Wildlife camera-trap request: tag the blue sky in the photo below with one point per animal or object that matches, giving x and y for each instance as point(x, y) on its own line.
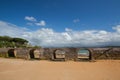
point(61, 15)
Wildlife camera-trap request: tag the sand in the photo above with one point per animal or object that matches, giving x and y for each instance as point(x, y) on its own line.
point(18, 69)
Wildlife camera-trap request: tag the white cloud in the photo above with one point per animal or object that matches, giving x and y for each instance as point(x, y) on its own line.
point(49, 38)
point(41, 23)
point(117, 28)
point(11, 29)
point(30, 18)
point(34, 21)
point(67, 29)
point(76, 20)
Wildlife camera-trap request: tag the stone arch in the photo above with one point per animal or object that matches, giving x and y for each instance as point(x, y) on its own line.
point(54, 55)
point(11, 53)
point(35, 53)
point(59, 54)
point(85, 56)
point(31, 53)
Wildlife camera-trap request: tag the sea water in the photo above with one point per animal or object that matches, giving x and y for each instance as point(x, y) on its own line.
point(83, 52)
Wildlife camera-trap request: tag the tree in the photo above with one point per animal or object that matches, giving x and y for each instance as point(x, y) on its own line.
point(6, 41)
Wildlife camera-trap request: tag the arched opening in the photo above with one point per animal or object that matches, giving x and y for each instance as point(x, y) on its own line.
point(32, 54)
point(12, 53)
point(59, 55)
point(84, 54)
point(35, 54)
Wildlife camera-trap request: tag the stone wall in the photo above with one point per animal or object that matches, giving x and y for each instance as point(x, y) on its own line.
point(106, 53)
point(4, 52)
point(70, 53)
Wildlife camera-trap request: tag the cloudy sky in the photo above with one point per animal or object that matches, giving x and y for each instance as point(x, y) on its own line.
point(62, 23)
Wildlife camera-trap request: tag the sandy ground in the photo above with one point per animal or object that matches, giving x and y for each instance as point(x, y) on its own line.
point(17, 69)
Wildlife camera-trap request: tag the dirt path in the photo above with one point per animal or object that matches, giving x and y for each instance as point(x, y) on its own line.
point(17, 69)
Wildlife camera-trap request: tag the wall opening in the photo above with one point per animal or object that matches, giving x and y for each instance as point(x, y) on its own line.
point(35, 54)
point(11, 53)
point(83, 54)
point(32, 54)
point(59, 54)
